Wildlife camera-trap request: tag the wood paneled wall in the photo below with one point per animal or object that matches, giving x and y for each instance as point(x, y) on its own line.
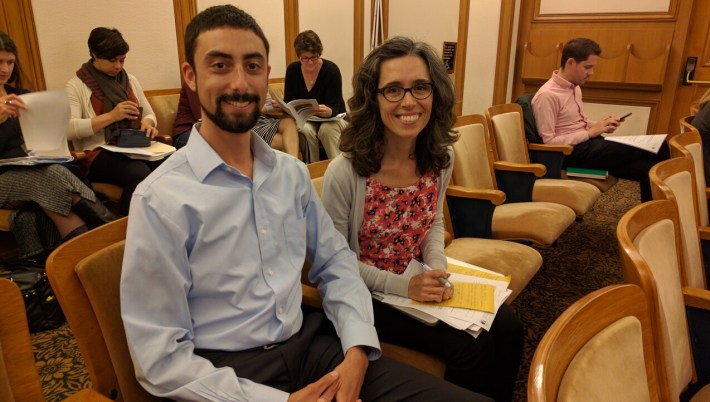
point(640, 61)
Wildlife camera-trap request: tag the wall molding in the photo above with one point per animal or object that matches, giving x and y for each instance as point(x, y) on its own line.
point(671, 14)
point(185, 11)
point(505, 41)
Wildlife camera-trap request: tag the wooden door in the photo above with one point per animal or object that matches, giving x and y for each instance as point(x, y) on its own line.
point(697, 45)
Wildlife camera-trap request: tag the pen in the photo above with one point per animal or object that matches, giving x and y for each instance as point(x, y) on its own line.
point(441, 279)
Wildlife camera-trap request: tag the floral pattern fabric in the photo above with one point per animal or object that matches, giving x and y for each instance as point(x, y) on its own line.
point(396, 221)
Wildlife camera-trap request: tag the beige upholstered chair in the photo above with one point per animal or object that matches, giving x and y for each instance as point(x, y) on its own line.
point(98, 343)
point(505, 123)
point(689, 144)
point(599, 349)
point(474, 170)
point(165, 105)
point(674, 180)
point(649, 240)
point(19, 378)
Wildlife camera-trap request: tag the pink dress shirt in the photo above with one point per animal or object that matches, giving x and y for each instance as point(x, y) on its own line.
point(559, 113)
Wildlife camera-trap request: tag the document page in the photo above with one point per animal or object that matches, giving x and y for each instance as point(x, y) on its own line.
point(651, 143)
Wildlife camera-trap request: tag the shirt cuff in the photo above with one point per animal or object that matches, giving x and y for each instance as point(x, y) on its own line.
point(361, 334)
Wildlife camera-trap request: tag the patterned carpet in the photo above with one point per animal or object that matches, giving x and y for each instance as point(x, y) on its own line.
point(584, 259)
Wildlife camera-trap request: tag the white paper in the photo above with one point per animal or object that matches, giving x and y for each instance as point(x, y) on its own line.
point(44, 122)
point(651, 143)
point(156, 151)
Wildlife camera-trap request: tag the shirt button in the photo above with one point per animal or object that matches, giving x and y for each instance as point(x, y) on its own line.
point(270, 272)
point(281, 311)
point(263, 231)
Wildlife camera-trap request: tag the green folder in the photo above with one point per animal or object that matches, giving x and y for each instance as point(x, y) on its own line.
point(588, 173)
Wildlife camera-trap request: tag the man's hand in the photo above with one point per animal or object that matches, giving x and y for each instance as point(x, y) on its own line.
point(352, 374)
point(425, 287)
point(322, 390)
point(607, 124)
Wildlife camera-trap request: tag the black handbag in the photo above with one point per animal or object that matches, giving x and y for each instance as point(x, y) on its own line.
point(41, 305)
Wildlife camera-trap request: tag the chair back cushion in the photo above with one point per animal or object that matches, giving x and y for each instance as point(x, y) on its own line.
point(525, 102)
point(509, 138)
point(681, 184)
point(100, 274)
point(472, 167)
point(656, 245)
point(165, 109)
point(609, 367)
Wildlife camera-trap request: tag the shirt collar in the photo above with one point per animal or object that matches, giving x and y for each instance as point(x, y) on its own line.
point(560, 81)
point(203, 159)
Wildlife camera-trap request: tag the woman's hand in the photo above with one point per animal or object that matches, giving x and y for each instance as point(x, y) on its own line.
point(323, 111)
point(425, 287)
point(125, 110)
point(150, 130)
point(10, 106)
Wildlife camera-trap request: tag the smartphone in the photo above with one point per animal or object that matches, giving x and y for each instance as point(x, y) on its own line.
point(624, 116)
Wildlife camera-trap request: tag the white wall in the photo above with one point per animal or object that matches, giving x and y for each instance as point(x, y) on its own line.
point(63, 29)
point(483, 26)
point(269, 14)
point(333, 21)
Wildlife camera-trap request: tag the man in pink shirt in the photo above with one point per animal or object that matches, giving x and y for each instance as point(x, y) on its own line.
point(560, 118)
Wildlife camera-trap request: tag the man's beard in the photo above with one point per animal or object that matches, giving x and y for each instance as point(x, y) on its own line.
point(235, 123)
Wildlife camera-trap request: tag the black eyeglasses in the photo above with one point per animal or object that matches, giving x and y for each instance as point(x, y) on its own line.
point(307, 59)
point(395, 93)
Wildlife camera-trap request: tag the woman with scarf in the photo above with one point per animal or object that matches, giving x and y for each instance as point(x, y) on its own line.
point(49, 202)
point(104, 98)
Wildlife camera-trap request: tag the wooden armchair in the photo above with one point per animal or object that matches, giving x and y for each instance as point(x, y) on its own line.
point(19, 378)
point(651, 253)
point(505, 123)
point(600, 349)
point(689, 144)
point(552, 156)
point(476, 204)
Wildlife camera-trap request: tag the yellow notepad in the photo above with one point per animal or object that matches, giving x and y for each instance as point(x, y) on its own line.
point(472, 296)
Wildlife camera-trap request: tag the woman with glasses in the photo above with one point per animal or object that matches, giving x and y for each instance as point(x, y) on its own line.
point(385, 194)
point(313, 77)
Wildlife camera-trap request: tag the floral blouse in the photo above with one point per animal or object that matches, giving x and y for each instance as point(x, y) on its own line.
point(396, 221)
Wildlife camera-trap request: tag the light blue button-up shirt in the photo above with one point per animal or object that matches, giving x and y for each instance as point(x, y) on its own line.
point(213, 261)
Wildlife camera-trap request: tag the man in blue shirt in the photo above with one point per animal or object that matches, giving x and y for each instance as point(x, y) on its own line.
point(218, 234)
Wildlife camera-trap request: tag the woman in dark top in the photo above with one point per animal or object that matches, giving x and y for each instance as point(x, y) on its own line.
point(702, 122)
point(313, 77)
point(50, 202)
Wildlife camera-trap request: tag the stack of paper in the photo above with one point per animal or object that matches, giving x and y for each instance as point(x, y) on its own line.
point(155, 152)
point(478, 294)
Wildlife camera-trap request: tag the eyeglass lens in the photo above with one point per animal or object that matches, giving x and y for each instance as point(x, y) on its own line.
point(395, 93)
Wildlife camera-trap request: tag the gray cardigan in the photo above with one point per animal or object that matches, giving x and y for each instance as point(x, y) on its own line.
point(344, 199)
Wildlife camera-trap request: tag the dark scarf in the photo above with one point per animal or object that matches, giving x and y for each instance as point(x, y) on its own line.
point(106, 93)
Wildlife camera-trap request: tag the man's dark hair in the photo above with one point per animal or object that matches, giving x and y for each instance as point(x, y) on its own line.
point(106, 43)
point(579, 49)
point(218, 17)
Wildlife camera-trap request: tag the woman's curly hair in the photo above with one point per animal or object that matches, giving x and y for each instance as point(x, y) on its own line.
point(363, 140)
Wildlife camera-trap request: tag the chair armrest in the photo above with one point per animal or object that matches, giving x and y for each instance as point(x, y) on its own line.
point(78, 154)
point(165, 139)
point(707, 192)
point(704, 232)
point(448, 238)
point(311, 297)
point(471, 210)
point(538, 169)
point(552, 156)
point(564, 149)
point(695, 297)
point(496, 197)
